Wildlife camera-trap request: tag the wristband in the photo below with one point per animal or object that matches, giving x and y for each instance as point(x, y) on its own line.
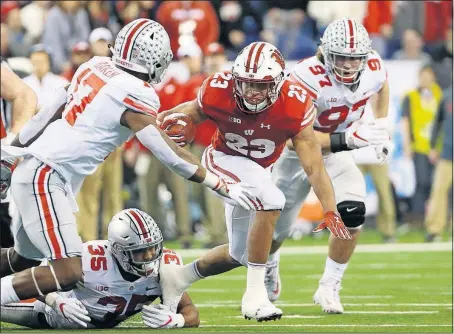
point(212, 181)
point(338, 142)
point(51, 298)
point(180, 320)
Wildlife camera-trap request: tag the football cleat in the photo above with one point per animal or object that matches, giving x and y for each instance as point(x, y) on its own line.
point(259, 307)
point(273, 282)
point(327, 296)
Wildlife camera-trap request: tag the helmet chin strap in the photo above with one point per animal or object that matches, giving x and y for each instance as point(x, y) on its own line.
point(255, 107)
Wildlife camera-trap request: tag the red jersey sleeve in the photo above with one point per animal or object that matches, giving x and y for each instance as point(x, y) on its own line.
point(309, 115)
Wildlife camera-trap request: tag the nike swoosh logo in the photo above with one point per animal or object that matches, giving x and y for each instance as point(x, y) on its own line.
point(168, 322)
point(352, 209)
point(277, 288)
point(355, 134)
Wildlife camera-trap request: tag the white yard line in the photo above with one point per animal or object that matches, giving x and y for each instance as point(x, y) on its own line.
point(374, 248)
point(365, 275)
point(291, 316)
point(285, 304)
point(390, 312)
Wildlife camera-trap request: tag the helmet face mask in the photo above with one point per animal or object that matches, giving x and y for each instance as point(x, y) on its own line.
point(346, 69)
point(254, 95)
point(345, 46)
point(136, 242)
point(258, 74)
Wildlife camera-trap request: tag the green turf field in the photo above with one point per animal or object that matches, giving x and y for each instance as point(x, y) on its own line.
point(387, 288)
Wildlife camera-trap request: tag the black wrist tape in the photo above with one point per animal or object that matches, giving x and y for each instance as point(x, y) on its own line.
point(338, 142)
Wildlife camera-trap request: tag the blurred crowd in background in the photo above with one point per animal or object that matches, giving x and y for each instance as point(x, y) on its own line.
point(45, 42)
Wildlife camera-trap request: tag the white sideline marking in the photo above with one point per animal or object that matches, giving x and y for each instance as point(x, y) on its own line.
point(284, 304)
point(373, 248)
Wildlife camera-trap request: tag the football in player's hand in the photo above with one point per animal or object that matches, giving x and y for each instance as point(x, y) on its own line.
point(180, 128)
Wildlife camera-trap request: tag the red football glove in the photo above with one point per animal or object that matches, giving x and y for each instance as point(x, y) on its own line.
point(333, 222)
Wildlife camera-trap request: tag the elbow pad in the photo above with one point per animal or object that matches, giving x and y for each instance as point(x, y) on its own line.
point(40, 120)
point(152, 139)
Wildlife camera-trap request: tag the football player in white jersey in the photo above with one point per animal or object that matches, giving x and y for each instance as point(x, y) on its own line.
point(121, 277)
point(108, 101)
point(340, 78)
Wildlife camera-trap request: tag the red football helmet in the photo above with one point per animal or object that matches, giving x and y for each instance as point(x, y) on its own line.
point(258, 74)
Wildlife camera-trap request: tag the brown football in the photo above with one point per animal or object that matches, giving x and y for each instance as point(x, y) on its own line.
point(174, 124)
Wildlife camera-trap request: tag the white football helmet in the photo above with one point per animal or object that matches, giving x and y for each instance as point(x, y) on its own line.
point(136, 242)
point(345, 46)
point(143, 46)
point(258, 74)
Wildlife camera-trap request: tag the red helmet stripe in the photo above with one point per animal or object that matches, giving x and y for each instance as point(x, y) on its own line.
point(249, 57)
point(141, 223)
point(257, 57)
point(129, 37)
point(352, 34)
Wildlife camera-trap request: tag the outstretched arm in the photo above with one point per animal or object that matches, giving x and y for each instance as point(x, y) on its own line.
point(49, 113)
point(181, 161)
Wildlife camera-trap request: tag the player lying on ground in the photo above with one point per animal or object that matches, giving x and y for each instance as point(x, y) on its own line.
point(109, 100)
point(256, 110)
point(340, 79)
point(121, 277)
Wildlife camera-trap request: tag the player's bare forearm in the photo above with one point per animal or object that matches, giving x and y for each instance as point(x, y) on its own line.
point(21, 96)
point(189, 311)
point(173, 156)
point(323, 138)
point(190, 108)
point(309, 152)
point(382, 104)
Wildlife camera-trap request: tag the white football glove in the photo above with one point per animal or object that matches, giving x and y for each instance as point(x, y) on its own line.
point(72, 309)
point(160, 316)
point(365, 135)
point(238, 193)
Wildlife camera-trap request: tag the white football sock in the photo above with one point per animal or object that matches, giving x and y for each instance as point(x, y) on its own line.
point(256, 276)
point(8, 294)
point(333, 270)
point(190, 274)
point(273, 259)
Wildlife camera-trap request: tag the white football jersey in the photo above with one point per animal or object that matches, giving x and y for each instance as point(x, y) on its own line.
point(90, 128)
point(107, 296)
point(338, 107)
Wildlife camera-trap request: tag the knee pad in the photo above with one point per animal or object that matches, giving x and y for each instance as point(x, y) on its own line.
point(352, 213)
